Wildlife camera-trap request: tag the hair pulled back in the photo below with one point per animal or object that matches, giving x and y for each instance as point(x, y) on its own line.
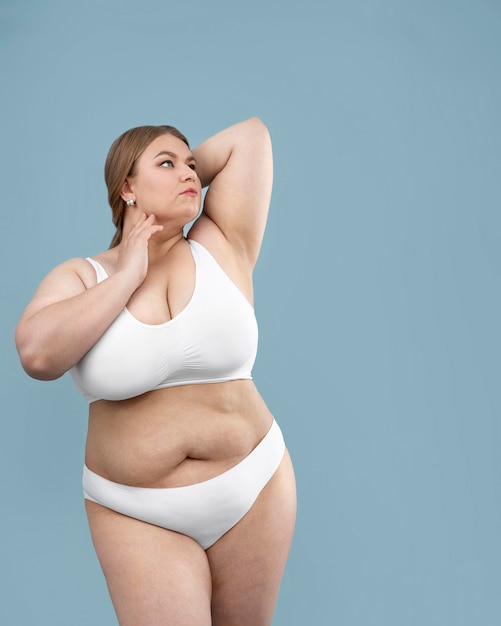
point(121, 162)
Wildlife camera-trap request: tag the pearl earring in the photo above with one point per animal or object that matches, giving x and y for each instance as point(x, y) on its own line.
point(130, 202)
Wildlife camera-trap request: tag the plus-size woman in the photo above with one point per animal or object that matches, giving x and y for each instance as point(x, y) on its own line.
point(189, 489)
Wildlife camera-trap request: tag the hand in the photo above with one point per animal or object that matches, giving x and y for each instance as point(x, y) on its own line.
point(133, 249)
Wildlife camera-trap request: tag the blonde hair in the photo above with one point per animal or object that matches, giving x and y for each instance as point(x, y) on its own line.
point(121, 162)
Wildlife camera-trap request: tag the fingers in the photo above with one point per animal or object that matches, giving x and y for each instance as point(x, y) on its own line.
point(145, 225)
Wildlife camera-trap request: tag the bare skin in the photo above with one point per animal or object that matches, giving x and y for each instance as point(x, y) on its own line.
point(158, 577)
point(180, 435)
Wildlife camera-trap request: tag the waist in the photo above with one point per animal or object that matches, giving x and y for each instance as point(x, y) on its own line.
point(176, 436)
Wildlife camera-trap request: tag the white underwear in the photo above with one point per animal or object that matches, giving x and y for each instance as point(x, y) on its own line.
point(204, 511)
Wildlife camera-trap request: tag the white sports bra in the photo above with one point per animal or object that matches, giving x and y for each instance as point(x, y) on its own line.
point(213, 339)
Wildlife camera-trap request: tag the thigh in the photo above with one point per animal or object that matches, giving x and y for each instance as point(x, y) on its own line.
point(155, 577)
point(248, 562)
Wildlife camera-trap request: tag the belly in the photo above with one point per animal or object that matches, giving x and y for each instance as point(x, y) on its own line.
point(176, 436)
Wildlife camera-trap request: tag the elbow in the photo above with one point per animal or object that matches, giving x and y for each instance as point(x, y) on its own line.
point(37, 367)
point(256, 134)
point(257, 127)
point(34, 362)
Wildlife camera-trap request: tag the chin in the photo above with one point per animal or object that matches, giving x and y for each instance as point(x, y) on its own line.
point(193, 214)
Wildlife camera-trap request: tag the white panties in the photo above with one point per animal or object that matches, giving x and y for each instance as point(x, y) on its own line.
point(204, 511)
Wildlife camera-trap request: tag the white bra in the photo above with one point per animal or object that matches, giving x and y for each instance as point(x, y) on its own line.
point(213, 339)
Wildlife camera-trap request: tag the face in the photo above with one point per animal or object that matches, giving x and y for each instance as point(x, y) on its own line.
point(165, 181)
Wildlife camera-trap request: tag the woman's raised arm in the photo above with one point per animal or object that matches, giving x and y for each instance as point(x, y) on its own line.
point(237, 165)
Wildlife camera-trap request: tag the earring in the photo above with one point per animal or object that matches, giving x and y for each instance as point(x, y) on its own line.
point(130, 202)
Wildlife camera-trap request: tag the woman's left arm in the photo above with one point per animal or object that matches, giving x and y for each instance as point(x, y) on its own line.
point(237, 165)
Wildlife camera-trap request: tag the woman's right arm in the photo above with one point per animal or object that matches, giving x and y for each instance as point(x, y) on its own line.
point(65, 318)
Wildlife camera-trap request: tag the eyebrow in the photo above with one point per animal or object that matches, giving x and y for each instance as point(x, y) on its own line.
point(173, 155)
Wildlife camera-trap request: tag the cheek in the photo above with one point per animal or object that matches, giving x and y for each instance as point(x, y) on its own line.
point(154, 183)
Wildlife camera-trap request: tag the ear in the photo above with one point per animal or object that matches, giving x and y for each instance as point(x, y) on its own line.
point(126, 192)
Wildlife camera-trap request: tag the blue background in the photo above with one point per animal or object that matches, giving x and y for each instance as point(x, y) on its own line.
point(377, 289)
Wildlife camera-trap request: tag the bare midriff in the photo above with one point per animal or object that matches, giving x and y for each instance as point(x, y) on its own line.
point(176, 436)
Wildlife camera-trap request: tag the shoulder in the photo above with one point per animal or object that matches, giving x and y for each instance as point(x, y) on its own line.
point(208, 234)
point(235, 264)
point(73, 275)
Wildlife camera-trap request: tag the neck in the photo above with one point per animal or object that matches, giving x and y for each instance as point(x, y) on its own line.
point(160, 243)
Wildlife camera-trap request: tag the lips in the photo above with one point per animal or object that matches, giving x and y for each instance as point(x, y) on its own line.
point(190, 192)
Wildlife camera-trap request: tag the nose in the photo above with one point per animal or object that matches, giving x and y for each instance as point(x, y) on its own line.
point(188, 173)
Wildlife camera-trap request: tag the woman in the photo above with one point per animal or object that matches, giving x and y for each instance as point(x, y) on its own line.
point(189, 490)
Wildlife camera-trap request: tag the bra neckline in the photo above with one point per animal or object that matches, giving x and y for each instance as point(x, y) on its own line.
point(176, 317)
point(195, 289)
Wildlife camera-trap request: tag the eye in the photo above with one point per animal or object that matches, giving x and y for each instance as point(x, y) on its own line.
point(167, 163)
point(193, 167)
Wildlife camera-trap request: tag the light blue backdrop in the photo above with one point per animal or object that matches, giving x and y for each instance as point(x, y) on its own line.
point(378, 288)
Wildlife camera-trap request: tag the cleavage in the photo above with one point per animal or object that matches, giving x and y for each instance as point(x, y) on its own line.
point(166, 292)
